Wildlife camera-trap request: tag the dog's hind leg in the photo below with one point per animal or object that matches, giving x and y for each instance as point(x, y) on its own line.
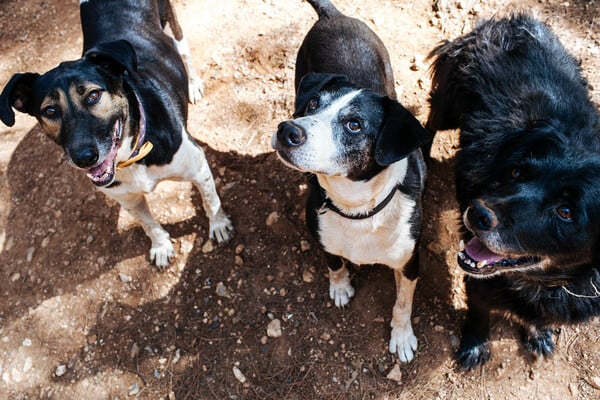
point(162, 250)
point(195, 84)
point(403, 341)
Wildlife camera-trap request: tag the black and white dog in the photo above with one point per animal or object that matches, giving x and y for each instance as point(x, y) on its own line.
point(527, 179)
point(120, 111)
point(362, 150)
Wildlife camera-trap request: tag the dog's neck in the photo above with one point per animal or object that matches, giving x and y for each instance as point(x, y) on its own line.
point(141, 147)
point(360, 197)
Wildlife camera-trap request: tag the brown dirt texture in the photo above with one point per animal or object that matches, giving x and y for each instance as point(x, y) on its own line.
point(84, 316)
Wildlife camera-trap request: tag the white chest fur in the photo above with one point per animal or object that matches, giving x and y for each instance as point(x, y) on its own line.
point(384, 238)
point(139, 178)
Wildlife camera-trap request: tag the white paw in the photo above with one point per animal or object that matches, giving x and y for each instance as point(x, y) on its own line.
point(341, 291)
point(221, 228)
point(403, 343)
point(195, 89)
point(162, 254)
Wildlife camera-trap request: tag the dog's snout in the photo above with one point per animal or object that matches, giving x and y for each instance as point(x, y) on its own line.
point(290, 135)
point(481, 217)
point(85, 157)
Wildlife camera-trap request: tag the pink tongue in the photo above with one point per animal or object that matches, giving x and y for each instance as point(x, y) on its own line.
point(99, 170)
point(478, 252)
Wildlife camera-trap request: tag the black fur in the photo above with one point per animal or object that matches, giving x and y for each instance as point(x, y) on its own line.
point(337, 44)
point(527, 178)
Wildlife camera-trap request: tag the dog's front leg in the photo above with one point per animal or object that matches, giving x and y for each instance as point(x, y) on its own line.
point(162, 250)
point(403, 341)
point(340, 288)
point(474, 349)
point(538, 340)
point(220, 226)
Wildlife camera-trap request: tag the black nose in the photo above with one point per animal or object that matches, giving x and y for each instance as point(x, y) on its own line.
point(85, 157)
point(481, 217)
point(289, 134)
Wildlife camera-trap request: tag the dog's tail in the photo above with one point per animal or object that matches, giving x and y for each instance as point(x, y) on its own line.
point(324, 8)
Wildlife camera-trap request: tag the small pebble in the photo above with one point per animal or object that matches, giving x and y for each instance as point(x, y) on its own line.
point(274, 329)
point(308, 277)
point(239, 261)
point(133, 390)
point(239, 375)
point(395, 374)
point(208, 247)
point(92, 339)
point(222, 290)
point(272, 218)
point(60, 370)
point(135, 350)
point(30, 252)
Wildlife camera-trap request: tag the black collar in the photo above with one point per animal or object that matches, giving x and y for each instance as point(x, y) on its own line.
point(328, 204)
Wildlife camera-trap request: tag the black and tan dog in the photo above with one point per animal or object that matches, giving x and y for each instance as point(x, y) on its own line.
point(362, 149)
point(527, 179)
point(120, 111)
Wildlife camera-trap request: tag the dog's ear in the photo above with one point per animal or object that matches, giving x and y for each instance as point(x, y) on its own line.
point(311, 84)
point(17, 94)
point(117, 56)
point(401, 134)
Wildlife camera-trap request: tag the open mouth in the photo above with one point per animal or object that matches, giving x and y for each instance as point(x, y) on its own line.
point(104, 173)
point(475, 258)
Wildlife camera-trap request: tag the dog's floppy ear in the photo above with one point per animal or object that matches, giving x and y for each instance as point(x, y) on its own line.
point(312, 83)
point(17, 94)
point(117, 56)
point(401, 134)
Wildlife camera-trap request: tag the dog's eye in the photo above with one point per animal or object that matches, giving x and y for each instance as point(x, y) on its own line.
point(50, 112)
point(93, 97)
point(353, 126)
point(313, 103)
point(565, 212)
point(517, 173)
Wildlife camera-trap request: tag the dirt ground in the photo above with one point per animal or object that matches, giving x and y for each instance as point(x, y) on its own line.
point(84, 316)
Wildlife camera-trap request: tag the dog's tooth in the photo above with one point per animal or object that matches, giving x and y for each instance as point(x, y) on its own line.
point(481, 264)
point(461, 245)
point(461, 256)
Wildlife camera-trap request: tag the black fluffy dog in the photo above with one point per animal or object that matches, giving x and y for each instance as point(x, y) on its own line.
point(527, 179)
